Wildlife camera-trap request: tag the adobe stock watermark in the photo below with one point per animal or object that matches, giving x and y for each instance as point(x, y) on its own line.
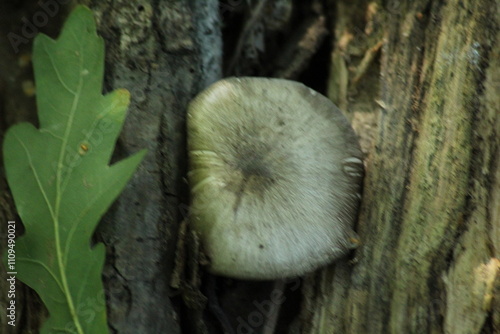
point(87, 310)
point(31, 27)
point(265, 309)
point(11, 273)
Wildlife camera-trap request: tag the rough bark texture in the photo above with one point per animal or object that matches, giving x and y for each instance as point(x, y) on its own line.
point(163, 52)
point(430, 217)
point(154, 50)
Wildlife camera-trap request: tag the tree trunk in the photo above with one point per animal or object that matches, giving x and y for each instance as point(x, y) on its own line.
point(154, 49)
point(420, 82)
point(430, 218)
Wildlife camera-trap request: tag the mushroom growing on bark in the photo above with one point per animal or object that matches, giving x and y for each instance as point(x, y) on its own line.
point(275, 176)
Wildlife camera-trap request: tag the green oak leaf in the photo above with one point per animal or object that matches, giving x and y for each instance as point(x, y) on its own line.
point(61, 179)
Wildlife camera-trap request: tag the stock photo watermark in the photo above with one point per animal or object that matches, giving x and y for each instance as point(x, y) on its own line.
point(87, 310)
point(31, 26)
point(11, 273)
point(50, 8)
point(265, 309)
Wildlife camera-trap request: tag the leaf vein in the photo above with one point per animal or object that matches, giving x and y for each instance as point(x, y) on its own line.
point(52, 134)
point(37, 177)
point(56, 70)
point(44, 266)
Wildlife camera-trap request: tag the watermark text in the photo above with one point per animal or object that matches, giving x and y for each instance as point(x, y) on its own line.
point(11, 273)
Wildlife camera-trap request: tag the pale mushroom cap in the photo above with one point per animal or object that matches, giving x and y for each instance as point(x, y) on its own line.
point(275, 177)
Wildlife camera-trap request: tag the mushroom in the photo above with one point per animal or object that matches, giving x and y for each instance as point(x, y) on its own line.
point(275, 175)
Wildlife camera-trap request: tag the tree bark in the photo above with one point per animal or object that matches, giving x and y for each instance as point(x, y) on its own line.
point(420, 82)
point(162, 53)
point(430, 219)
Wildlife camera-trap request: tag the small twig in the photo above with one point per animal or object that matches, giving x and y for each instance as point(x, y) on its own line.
point(215, 308)
point(272, 316)
point(297, 53)
point(180, 257)
point(254, 17)
point(365, 62)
